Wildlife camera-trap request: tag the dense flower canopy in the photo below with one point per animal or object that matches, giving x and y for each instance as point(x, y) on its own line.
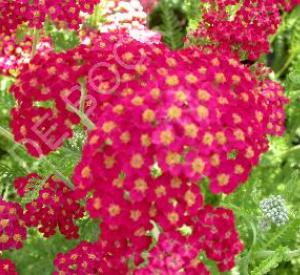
point(86, 258)
point(204, 116)
point(173, 127)
point(159, 124)
point(213, 231)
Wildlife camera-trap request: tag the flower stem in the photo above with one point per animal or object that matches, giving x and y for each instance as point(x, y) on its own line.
point(5, 133)
point(83, 95)
point(96, 15)
point(268, 253)
point(36, 39)
point(84, 118)
point(291, 150)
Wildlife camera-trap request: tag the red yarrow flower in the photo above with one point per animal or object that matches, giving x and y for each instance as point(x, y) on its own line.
point(54, 207)
point(12, 227)
point(246, 31)
point(86, 258)
point(172, 255)
point(26, 184)
point(64, 13)
point(7, 267)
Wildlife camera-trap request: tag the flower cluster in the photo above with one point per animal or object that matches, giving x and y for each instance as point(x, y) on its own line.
point(14, 54)
point(203, 116)
point(245, 29)
point(274, 210)
point(275, 102)
point(52, 78)
point(264, 224)
point(12, 227)
point(173, 255)
point(86, 258)
point(194, 102)
point(49, 125)
point(175, 124)
point(26, 184)
point(54, 207)
point(213, 231)
point(64, 13)
point(12, 14)
point(7, 267)
point(219, 238)
point(159, 122)
point(126, 224)
point(182, 128)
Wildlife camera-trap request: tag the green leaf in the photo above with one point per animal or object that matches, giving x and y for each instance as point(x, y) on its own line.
point(171, 29)
point(271, 262)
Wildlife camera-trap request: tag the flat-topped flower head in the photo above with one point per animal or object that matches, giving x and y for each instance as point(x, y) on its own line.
point(245, 29)
point(26, 184)
point(86, 258)
point(219, 237)
point(172, 255)
point(54, 208)
point(158, 123)
point(12, 226)
point(211, 230)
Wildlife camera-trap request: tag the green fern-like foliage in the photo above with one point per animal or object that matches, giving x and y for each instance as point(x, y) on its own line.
point(271, 262)
point(295, 36)
point(286, 44)
point(193, 12)
point(287, 234)
point(170, 20)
